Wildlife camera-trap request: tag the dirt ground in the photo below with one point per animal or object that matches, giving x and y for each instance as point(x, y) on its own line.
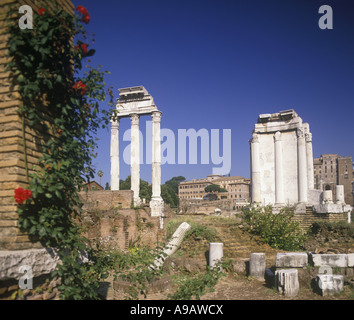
point(236, 286)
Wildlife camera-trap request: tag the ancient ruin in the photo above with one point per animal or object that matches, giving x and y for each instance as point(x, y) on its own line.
point(135, 102)
point(282, 170)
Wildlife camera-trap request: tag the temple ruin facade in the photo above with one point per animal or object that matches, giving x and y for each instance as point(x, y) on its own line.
point(133, 103)
point(282, 166)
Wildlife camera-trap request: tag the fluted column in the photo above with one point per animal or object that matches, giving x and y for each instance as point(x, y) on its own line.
point(309, 156)
point(135, 158)
point(156, 155)
point(302, 166)
point(278, 155)
point(156, 203)
point(255, 170)
point(115, 155)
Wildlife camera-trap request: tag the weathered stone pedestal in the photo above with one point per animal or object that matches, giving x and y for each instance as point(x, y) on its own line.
point(287, 282)
point(157, 207)
point(329, 284)
point(216, 253)
point(257, 265)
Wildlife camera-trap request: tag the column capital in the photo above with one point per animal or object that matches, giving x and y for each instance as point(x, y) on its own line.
point(134, 117)
point(255, 138)
point(115, 123)
point(300, 133)
point(156, 116)
point(308, 137)
point(277, 136)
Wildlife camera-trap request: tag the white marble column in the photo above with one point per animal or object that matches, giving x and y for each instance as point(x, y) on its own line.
point(115, 155)
point(302, 166)
point(156, 203)
point(309, 157)
point(255, 170)
point(340, 194)
point(172, 245)
point(216, 253)
point(278, 155)
point(135, 158)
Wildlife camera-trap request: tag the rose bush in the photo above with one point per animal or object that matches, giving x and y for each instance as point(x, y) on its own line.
point(53, 84)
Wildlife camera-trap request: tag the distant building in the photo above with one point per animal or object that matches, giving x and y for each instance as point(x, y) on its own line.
point(331, 170)
point(93, 186)
point(238, 189)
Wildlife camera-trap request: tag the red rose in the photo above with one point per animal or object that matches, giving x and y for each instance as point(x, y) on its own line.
point(85, 14)
point(82, 10)
point(22, 195)
point(41, 11)
point(83, 48)
point(86, 19)
point(80, 86)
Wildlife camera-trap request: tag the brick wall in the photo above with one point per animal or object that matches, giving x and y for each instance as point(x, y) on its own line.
point(307, 218)
point(12, 161)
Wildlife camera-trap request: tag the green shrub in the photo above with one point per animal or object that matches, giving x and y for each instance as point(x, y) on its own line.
point(276, 229)
point(190, 287)
point(197, 231)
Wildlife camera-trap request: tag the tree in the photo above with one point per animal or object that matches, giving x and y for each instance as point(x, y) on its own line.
point(100, 174)
point(174, 182)
point(169, 196)
point(124, 184)
point(169, 190)
point(145, 188)
point(214, 188)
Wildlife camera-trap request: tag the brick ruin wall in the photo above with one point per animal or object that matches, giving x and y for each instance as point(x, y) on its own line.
point(12, 161)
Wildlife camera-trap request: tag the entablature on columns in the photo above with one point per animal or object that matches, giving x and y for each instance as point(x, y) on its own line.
point(135, 100)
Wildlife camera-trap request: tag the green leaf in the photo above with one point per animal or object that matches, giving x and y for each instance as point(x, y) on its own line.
point(32, 230)
point(58, 194)
point(42, 232)
point(91, 52)
point(25, 223)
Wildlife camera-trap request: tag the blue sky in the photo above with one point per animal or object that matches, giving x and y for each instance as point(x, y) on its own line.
point(219, 64)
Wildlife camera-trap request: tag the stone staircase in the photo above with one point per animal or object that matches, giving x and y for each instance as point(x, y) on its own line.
point(239, 245)
point(126, 234)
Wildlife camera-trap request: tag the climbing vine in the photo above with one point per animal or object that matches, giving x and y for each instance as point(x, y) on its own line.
point(61, 95)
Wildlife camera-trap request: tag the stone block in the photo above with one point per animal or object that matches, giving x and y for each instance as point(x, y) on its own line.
point(42, 261)
point(331, 260)
point(350, 259)
point(287, 282)
point(291, 260)
point(239, 265)
point(329, 284)
point(216, 253)
point(257, 265)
